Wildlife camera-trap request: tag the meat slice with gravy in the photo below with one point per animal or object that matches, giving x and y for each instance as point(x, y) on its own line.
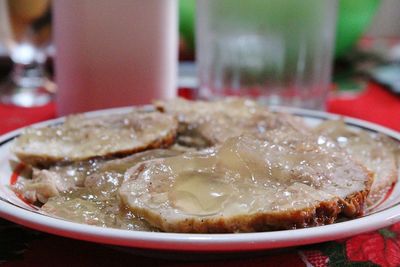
point(97, 175)
point(377, 152)
point(87, 192)
point(203, 124)
point(81, 138)
point(284, 181)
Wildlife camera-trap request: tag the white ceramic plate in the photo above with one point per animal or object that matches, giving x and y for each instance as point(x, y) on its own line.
point(16, 210)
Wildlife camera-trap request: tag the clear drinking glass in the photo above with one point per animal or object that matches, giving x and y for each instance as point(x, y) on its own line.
point(276, 51)
point(25, 31)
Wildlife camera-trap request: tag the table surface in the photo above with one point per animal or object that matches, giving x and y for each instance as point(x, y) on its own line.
point(20, 246)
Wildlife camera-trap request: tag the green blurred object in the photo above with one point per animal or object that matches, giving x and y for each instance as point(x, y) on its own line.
point(187, 9)
point(354, 16)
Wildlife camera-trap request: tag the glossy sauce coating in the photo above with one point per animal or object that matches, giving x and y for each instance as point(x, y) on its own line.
point(283, 172)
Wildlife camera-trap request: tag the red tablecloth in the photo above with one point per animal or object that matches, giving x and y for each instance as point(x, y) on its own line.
point(375, 104)
point(23, 247)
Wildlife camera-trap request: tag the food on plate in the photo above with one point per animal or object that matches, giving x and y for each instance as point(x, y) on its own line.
point(86, 192)
point(282, 182)
point(377, 152)
point(82, 138)
point(59, 179)
point(204, 167)
point(204, 124)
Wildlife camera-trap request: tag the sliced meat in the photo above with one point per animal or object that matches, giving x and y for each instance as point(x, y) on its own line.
point(45, 185)
point(375, 151)
point(284, 181)
point(100, 178)
point(203, 124)
point(81, 138)
point(96, 201)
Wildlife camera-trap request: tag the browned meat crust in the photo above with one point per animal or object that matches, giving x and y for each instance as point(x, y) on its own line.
point(164, 138)
point(44, 161)
point(324, 213)
point(375, 151)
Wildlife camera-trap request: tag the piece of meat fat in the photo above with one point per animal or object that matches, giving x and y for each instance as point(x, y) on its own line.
point(46, 184)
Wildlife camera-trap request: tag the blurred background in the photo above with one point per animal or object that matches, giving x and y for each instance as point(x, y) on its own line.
point(371, 26)
point(378, 19)
point(363, 26)
point(367, 38)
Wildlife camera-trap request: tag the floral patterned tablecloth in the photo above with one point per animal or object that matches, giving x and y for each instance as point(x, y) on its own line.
point(20, 246)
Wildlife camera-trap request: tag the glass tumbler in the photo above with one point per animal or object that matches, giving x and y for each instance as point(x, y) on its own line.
point(25, 32)
point(278, 52)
